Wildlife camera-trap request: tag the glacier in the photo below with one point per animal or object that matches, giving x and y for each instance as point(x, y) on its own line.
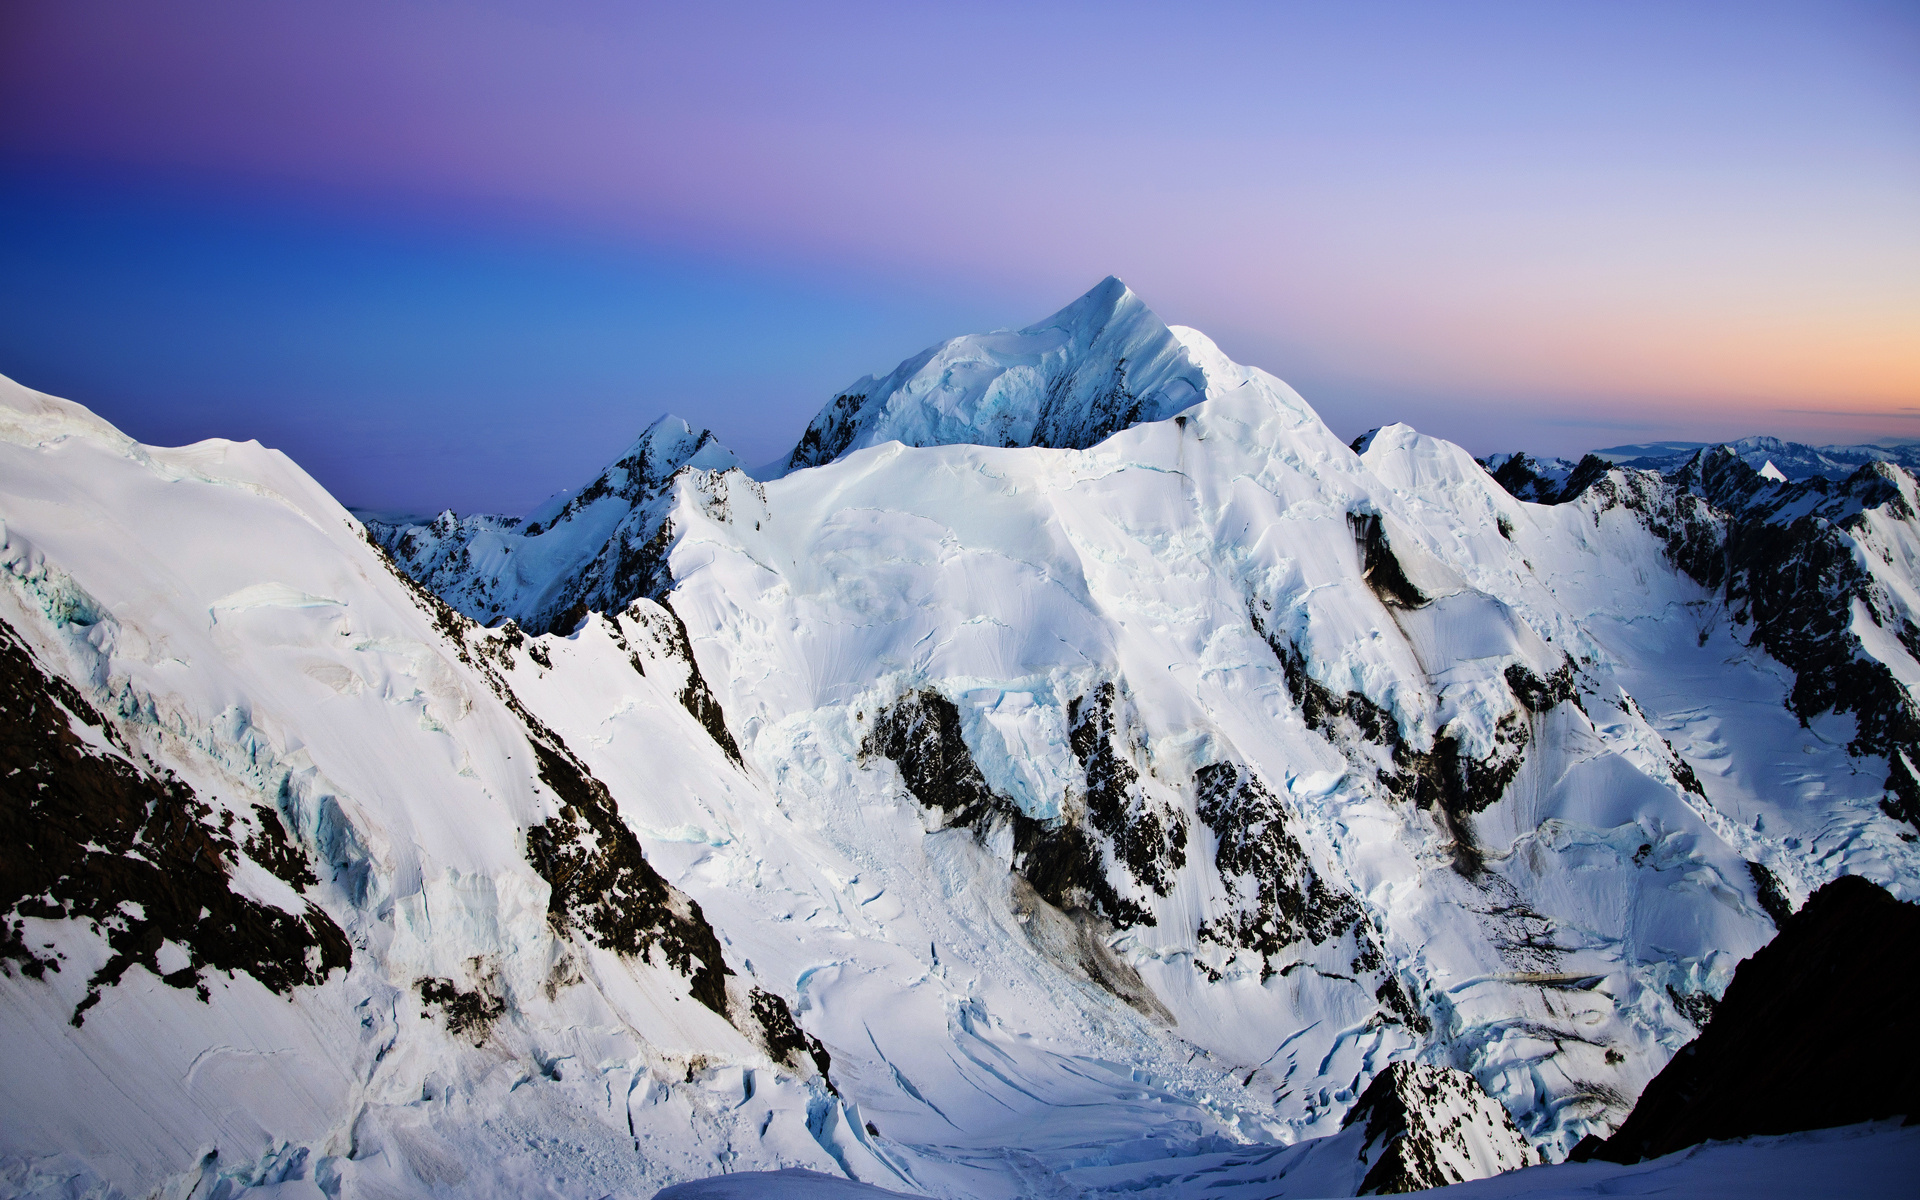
point(1076, 767)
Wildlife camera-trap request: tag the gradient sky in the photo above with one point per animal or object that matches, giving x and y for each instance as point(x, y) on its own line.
point(458, 253)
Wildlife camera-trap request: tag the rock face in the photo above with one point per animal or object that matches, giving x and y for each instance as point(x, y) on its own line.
point(1815, 1031)
point(1427, 1127)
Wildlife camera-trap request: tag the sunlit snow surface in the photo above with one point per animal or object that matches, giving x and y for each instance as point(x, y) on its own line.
point(233, 621)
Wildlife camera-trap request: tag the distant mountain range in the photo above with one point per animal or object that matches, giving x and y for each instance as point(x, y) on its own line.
point(1793, 460)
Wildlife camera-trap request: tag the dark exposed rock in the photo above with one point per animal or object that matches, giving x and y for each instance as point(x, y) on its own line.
point(1902, 801)
point(1379, 567)
point(603, 885)
point(1428, 1127)
point(467, 1015)
point(97, 834)
point(1279, 899)
point(695, 696)
point(1537, 694)
point(1063, 864)
point(830, 433)
point(785, 1041)
point(1767, 889)
point(632, 565)
point(1527, 478)
point(1814, 1031)
point(1062, 423)
point(1399, 1007)
point(1696, 1007)
point(920, 734)
point(1151, 841)
point(269, 846)
point(1590, 469)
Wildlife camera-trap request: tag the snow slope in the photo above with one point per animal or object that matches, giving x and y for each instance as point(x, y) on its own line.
point(1870, 1161)
point(321, 739)
point(1102, 813)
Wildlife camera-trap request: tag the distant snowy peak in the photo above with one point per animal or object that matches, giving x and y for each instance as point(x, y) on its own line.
point(641, 470)
point(1097, 366)
point(599, 547)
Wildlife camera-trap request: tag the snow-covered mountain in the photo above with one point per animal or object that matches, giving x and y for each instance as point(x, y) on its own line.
point(1097, 366)
point(1106, 811)
point(592, 549)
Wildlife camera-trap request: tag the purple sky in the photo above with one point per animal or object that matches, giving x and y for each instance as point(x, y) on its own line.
point(457, 253)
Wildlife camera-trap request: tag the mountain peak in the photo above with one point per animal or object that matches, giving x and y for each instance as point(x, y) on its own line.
point(1100, 305)
point(1097, 366)
point(651, 459)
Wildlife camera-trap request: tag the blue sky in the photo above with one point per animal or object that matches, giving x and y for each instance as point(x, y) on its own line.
point(409, 363)
point(457, 254)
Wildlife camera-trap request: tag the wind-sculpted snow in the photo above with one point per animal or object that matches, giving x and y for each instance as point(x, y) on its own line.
point(1105, 812)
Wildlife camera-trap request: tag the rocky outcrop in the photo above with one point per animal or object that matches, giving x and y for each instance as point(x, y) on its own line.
point(92, 832)
point(1060, 860)
point(1429, 1126)
point(1813, 1032)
